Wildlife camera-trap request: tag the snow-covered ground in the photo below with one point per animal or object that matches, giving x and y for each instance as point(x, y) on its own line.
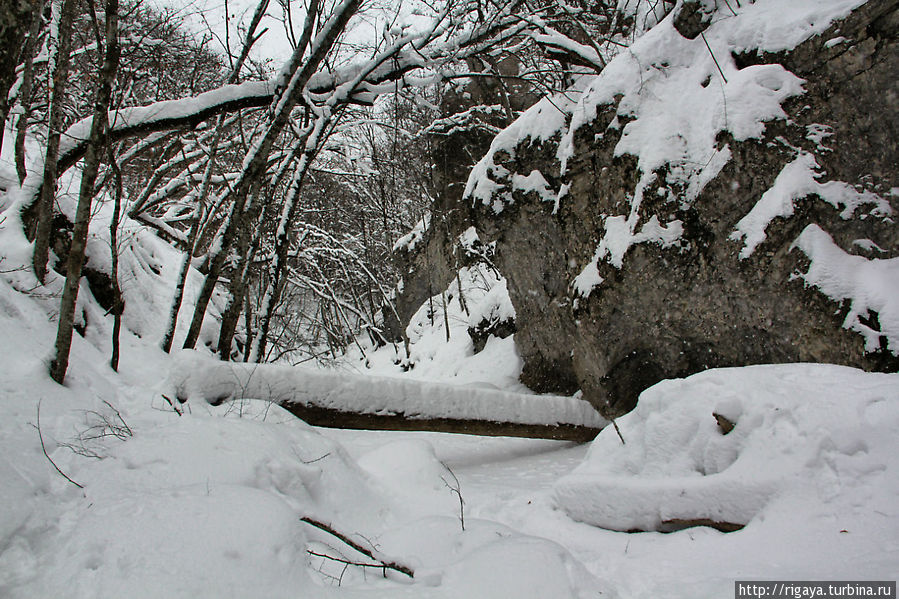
point(209, 504)
point(109, 491)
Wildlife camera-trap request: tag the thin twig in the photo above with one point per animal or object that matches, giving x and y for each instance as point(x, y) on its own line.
point(316, 459)
point(367, 552)
point(618, 430)
point(171, 403)
point(44, 447)
point(702, 35)
point(458, 491)
point(379, 565)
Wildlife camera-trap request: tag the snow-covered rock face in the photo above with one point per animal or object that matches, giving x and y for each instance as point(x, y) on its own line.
point(720, 201)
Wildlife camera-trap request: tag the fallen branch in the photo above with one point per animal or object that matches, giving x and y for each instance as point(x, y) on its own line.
point(171, 403)
point(618, 430)
point(347, 562)
point(44, 447)
point(382, 563)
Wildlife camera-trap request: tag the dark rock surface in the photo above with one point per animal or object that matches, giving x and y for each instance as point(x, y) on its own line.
point(671, 312)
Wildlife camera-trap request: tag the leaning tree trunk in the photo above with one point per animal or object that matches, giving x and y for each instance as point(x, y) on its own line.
point(194, 234)
point(98, 138)
point(250, 182)
point(58, 82)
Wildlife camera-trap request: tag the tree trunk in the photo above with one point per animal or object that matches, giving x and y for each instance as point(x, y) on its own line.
point(248, 245)
point(30, 50)
point(58, 81)
point(248, 324)
point(118, 305)
point(250, 182)
point(15, 16)
point(60, 363)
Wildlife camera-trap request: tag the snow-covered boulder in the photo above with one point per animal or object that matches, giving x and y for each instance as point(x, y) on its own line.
point(808, 439)
point(711, 202)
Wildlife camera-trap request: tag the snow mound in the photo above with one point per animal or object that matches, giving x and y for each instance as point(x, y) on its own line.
point(496, 306)
point(410, 471)
point(821, 433)
point(441, 348)
point(489, 560)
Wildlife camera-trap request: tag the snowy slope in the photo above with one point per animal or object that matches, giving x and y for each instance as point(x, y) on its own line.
point(208, 504)
point(150, 503)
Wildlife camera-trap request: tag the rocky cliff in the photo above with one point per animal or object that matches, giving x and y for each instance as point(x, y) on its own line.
point(718, 201)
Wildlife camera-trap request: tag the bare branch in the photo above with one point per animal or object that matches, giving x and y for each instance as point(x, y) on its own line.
point(44, 448)
point(382, 562)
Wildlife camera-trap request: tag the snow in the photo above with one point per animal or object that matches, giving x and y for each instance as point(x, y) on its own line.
point(130, 117)
point(438, 355)
point(494, 307)
point(411, 239)
point(201, 378)
point(534, 183)
point(540, 123)
point(812, 459)
point(675, 97)
point(868, 285)
point(798, 180)
point(208, 503)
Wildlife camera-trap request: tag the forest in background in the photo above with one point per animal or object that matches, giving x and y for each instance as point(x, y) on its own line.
point(285, 187)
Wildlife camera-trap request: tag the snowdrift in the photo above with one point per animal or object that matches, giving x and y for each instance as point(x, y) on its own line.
point(806, 438)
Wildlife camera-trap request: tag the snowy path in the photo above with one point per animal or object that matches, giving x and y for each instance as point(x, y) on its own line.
point(511, 482)
point(481, 463)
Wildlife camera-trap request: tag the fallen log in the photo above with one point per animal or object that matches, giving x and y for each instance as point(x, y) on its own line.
point(333, 418)
point(339, 399)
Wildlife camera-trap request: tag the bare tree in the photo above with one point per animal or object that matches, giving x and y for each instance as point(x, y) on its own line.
point(25, 91)
point(63, 15)
point(95, 150)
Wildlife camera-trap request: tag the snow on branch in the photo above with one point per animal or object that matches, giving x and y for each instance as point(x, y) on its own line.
point(166, 115)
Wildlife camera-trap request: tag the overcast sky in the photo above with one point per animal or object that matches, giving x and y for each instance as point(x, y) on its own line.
point(203, 15)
